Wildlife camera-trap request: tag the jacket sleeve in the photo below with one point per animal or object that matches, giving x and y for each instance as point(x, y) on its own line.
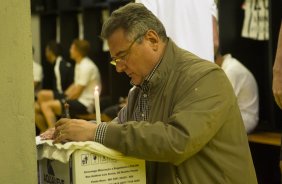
point(199, 108)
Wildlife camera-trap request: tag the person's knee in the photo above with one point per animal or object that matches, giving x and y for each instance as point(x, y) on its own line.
point(53, 105)
point(44, 106)
point(36, 107)
point(44, 95)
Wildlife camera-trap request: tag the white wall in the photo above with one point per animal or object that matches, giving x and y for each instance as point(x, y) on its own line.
point(17, 132)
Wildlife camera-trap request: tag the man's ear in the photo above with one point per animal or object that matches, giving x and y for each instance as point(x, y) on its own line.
point(153, 39)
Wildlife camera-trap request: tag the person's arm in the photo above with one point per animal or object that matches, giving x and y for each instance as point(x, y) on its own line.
point(277, 72)
point(195, 119)
point(280, 165)
point(69, 89)
point(215, 35)
point(81, 81)
point(199, 108)
point(74, 91)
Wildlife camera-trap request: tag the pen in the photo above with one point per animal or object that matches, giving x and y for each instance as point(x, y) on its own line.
point(67, 110)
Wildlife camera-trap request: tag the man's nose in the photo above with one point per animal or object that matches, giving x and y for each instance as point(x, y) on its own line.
point(120, 67)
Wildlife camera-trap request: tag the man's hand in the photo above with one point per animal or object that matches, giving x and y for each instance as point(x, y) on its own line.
point(74, 130)
point(48, 134)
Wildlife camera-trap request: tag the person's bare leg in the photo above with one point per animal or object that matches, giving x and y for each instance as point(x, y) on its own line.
point(40, 122)
point(44, 96)
point(39, 118)
point(50, 109)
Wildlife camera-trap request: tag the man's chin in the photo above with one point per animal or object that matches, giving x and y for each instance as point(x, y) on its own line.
point(135, 82)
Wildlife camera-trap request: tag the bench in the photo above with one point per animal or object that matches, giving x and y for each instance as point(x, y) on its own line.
point(268, 138)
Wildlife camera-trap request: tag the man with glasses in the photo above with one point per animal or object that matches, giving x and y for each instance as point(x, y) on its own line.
point(181, 117)
point(123, 54)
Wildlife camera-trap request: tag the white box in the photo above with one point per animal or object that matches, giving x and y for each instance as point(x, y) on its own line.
point(87, 168)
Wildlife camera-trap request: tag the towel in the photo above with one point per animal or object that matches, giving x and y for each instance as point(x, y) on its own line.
point(62, 152)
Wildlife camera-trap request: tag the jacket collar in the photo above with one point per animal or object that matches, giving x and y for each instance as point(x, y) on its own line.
point(165, 65)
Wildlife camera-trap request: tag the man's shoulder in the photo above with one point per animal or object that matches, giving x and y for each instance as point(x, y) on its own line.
point(88, 67)
point(185, 63)
point(87, 62)
point(194, 65)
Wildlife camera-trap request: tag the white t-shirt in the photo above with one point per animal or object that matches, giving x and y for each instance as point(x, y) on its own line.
point(37, 72)
point(245, 88)
point(187, 22)
point(87, 74)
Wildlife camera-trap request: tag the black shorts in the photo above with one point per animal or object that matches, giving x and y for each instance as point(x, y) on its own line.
point(58, 96)
point(75, 108)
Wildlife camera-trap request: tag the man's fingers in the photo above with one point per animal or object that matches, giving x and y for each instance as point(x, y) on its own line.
point(61, 121)
point(48, 134)
point(60, 138)
point(62, 128)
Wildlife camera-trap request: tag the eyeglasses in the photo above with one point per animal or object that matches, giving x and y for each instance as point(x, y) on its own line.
point(115, 60)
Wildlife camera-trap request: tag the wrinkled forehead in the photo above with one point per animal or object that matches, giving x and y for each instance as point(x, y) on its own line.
point(117, 41)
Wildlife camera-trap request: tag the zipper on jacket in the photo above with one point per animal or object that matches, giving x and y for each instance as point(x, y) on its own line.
point(177, 176)
point(178, 180)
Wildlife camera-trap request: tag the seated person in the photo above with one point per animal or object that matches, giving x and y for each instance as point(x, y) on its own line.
point(37, 74)
point(64, 76)
point(244, 85)
point(113, 110)
point(64, 73)
point(79, 95)
point(245, 88)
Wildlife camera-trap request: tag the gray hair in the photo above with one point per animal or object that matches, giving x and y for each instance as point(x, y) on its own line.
point(135, 19)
